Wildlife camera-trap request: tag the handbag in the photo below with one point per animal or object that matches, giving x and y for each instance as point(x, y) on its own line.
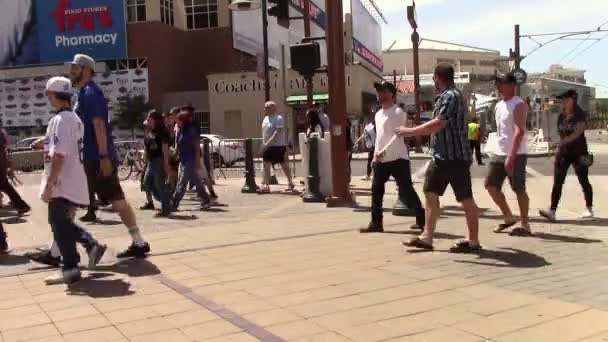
point(586, 159)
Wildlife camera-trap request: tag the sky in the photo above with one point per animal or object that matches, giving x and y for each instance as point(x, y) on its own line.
point(490, 24)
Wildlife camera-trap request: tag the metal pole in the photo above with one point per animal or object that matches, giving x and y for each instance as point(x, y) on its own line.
point(309, 80)
point(517, 54)
point(337, 103)
point(265, 37)
point(415, 45)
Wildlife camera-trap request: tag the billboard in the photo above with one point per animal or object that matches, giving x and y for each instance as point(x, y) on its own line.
point(367, 37)
point(52, 31)
point(23, 102)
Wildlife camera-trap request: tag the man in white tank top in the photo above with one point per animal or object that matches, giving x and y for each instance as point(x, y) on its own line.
point(511, 156)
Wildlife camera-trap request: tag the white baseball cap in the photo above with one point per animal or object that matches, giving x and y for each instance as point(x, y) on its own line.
point(59, 85)
point(84, 60)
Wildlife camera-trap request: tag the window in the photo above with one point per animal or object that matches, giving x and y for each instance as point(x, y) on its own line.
point(136, 11)
point(126, 64)
point(166, 12)
point(467, 62)
point(487, 63)
point(200, 14)
point(445, 60)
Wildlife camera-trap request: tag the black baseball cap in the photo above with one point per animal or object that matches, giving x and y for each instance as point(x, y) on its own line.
point(506, 78)
point(385, 86)
point(570, 93)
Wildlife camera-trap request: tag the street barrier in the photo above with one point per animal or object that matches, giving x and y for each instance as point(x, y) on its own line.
point(27, 161)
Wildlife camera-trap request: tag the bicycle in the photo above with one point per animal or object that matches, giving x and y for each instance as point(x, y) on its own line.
point(132, 166)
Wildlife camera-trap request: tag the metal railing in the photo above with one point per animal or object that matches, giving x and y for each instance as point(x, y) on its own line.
point(229, 158)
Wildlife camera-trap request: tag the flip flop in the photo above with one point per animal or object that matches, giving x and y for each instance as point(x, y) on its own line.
point(418, 243)
point(504, 226)
point(522, 232)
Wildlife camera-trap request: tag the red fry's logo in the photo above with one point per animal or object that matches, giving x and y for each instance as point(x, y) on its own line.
point(67, 18)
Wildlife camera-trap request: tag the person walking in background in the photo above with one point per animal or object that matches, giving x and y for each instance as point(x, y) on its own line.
point(450, 164)
point(369, 136)
point(274, 146)
point(5, 173)
point(391, 159)
point(323, 117)
point(572, 151)
point(314, 123)
point(99, 153)
point(475, 139)
point(158, 170)
point(511, 156)
point(149, 205)
point(189, 156)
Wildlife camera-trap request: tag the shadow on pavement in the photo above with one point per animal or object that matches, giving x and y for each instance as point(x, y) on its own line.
point(13, 260)
point(132, 268)
point(436, 235)
point(215, 210)
point(95, 286)
point(564, 238)
point(508, 257)
point(105, 222)
point(182, 217)
point(603, 222)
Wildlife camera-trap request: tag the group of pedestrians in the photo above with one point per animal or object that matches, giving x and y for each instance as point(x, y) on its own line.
point(452, 142)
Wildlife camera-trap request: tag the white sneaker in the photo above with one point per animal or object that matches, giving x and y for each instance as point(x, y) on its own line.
point(588, 213)
point(96, 254)
point(549, 214)
point(64, 277)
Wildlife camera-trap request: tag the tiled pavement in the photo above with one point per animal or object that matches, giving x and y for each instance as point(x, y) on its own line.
point(273, 269)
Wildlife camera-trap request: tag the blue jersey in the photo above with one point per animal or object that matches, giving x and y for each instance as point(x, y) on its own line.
point(92, 104)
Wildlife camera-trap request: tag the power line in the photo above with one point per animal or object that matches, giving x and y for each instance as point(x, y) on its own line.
point(575, 48)
point(587, 48)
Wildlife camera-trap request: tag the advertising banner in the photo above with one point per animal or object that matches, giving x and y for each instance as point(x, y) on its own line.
point(52, 31)
point(367, 37)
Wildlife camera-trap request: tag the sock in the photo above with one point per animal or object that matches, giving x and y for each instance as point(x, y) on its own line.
point(136, 236)
point(55, 253)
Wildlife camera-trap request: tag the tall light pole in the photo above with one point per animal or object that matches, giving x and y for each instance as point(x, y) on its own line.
point(412, 19)
point(250, 5)
point(337, 103)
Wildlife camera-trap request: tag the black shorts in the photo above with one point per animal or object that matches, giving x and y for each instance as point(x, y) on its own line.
point(275, 154)
point(106, 188)
point(456, 173)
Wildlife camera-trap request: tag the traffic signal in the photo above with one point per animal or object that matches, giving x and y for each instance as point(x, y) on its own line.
point(305, 58)
point(280, 10)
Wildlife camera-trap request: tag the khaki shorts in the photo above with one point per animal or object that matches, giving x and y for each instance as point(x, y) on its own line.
point(497, 173)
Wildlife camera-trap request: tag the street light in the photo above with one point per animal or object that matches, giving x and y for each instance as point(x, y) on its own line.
point(412, 18)
point(250, 5)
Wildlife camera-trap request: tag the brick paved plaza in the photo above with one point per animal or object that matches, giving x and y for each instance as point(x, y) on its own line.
point(274, 269)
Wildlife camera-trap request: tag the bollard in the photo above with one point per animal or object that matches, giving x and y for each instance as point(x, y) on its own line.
point(313, 193)
point(401, 209)
point(250, 187)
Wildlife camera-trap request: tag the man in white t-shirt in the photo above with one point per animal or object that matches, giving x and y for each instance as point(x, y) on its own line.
point(511, 156)
point(64, 183)
point(274, 133)
point(391, 158)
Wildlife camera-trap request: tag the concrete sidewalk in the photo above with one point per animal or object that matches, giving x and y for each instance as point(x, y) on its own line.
point(270, 268)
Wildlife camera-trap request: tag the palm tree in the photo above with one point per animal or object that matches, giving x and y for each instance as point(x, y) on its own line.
point(129, 112)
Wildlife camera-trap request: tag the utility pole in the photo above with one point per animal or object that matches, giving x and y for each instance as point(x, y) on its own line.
point(517, 54)
point(309, 80)
point(412, 19)
point(266, 57)
point(337, 103)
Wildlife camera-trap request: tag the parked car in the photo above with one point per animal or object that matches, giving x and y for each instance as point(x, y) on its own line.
point(24, 144)
point(225, 152)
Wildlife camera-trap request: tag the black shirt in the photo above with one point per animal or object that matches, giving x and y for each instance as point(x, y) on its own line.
point(153, 142)
point(566, 125)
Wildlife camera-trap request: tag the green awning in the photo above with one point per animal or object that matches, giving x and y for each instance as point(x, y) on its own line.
point(301, 99)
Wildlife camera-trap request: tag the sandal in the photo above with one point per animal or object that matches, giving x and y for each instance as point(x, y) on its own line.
point(264, 190)
point(464, 247)
point(521, 231)
point(418, 243)
point(504, 226)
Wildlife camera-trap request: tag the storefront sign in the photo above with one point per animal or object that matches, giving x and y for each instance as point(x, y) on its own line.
point(316, 13)
point(256, 85)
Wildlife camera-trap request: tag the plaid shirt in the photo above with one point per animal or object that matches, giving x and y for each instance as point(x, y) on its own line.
point(451, 142)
